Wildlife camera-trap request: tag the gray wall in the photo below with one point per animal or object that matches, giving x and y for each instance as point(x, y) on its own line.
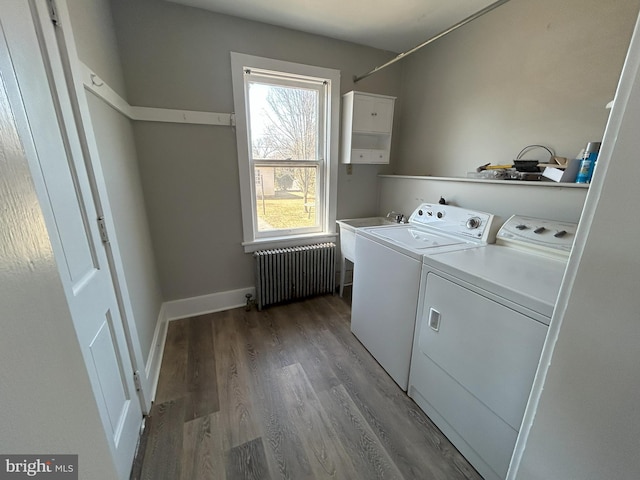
point(95, 40)
point(97, 48)
point(178, 57)
point(526, 73)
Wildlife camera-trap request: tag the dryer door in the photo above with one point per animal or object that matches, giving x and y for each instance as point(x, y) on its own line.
point(474, 363)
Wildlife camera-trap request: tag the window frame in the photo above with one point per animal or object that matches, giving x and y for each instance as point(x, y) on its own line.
point(318, 85)
point(328, 168)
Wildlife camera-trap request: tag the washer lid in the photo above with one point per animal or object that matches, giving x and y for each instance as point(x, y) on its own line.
point(414, 238)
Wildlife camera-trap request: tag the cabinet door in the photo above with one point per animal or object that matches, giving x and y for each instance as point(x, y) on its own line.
point(362, 113)
point(382, 115)
point(372, 114)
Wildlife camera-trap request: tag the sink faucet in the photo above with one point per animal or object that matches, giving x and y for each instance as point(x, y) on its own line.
point(397, 217)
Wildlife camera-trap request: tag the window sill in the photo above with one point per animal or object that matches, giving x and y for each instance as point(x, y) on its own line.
point(289, 241)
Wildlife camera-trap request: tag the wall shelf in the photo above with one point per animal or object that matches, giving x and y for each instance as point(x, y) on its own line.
point(488, 181)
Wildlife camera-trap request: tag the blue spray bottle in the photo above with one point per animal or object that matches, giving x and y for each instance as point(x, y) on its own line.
point(588, 162)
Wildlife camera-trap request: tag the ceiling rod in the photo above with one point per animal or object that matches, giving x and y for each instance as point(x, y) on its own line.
point(400, 56)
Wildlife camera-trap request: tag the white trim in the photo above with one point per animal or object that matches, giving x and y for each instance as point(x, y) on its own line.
point(292, 241)
point(96, 85)
point(330, 184)
point(149, 114)
point(213, 302)
point(154, 359)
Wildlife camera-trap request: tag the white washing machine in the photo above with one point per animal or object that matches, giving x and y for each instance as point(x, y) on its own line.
point(482, 320)
point(387, 277)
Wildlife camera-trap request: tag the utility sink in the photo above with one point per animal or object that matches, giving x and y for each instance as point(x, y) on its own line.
point(348, 232)
point(348, 229)
point(353, 223)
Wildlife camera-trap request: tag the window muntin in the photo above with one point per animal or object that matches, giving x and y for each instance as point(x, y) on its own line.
point(286, 130)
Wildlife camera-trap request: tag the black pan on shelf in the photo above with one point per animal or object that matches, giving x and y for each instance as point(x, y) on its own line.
point(526, 165)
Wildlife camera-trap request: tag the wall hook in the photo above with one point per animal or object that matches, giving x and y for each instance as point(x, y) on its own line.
point(93, 80)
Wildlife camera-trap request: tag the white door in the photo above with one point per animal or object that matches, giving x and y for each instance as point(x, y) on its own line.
point(47, 130)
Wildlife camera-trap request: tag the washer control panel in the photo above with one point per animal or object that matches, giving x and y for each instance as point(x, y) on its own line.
point(453, 221)
point(538, 235)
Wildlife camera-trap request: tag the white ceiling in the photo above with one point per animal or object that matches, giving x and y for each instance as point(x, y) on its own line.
point(395, 25)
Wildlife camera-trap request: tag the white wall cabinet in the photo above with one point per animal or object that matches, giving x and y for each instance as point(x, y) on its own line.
point(367, 122)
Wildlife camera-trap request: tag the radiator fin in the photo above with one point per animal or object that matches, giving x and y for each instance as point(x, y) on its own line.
point(292, 273)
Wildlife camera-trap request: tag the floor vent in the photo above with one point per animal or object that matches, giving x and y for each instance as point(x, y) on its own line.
point(284, 274)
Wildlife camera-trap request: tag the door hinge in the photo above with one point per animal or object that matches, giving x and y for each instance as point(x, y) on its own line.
point(136, 380)
point(103, 230)
point(53, 12)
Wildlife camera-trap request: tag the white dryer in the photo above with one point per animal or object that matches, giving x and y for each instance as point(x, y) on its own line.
point(387, 277)
point(482, 320)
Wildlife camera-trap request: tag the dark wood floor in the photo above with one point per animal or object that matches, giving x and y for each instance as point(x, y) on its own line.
point(286, 393)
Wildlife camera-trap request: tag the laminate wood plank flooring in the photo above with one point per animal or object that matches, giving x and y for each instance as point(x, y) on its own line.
point(203, 453)
point(166, 425)
point(201, 378)
point(248, 462)
point(285, 393)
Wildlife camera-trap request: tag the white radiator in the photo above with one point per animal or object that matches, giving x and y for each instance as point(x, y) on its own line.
point(284, 274)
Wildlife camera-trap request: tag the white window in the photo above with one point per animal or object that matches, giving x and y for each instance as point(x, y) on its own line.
point(286, 127)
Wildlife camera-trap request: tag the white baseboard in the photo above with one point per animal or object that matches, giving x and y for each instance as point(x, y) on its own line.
point(154, 360)
point(214, 302)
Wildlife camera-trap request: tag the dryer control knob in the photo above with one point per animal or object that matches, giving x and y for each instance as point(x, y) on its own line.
point(473, 222)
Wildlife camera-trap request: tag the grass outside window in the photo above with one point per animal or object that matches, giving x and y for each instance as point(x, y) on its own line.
point(285, 211)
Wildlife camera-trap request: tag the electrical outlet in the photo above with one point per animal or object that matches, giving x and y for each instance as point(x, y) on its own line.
point(349, 169)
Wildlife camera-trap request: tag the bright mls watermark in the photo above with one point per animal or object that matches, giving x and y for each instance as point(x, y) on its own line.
point(50, 467)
